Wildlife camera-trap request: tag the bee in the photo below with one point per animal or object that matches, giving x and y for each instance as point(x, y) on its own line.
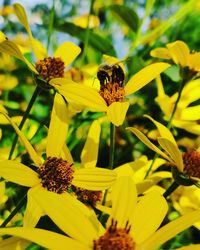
point(112, 73)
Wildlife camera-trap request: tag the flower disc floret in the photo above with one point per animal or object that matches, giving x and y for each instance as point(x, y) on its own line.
point(50, 67)
point(56, 174)
point(191, 162)
point(115, 238)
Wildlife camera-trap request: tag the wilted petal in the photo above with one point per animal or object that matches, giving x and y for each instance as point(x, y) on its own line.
point(89, 153)
point(117, 112)
point(67, 51)
point(144, 76)
point(18, 173)
point(58, 127)
point(94, 178)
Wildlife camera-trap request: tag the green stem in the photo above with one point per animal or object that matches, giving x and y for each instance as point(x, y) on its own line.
point(14, 212)
point(25, 116)
point(151, 166)
point(171, 189)
point(51, 21)
point(87, 32)
point(112, 146)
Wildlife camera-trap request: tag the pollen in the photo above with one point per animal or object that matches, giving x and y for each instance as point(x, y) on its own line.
point(50, 67)
point(87, 196)
point(112, 92)
point(56, 174)
point(115, 238)
point(191, 161)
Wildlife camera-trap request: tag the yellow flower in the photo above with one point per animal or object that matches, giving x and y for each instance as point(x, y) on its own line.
point(132, 223)
point(47, 67)
point(186, 116)
point(187, 163)
point(179, 52)
point(186, 199)
point(111, 97)
point(56, 173)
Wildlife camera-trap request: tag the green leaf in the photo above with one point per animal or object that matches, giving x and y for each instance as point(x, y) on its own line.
point(96, 41)
point(126, 14)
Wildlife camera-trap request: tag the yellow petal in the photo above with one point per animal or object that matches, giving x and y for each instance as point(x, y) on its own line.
point(82, 21)
point(66, 155)
point(144, 76)
point(8, 82)
point(13, 243)
point(190, 247)
point(147, 142)
point(89, 153)
point(161, 53)
point(33, 211)
point(149, 211)
point(189, 126)
point(170, 230)
point(26, 143)
point(117, 112)
point(67, 51)
point(11, 49)
point(58, 127)
point(45, 238)
point(191, 113)
point(173, 152)
point(124, 197)
point(179, 52)
point(79, 94)
point(94, 178)
point(38, 48)
point(68, 214)
point(18, 173)
point(164, 131)
point(2, 37)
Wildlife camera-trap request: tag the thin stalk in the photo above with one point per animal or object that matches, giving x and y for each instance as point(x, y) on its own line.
point(25, 116)
point(171, 189)
point(112, 146)
point(50, 28)
point(14, 212)
point(87, 32)
point(168, 124)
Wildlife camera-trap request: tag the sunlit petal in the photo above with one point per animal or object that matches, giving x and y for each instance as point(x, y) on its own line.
point(189, 126)
point(2, 37)
point(47, 239)
point(124, 198)
point(117, 112)
point(67, 51)
point(170, 230)
point(145, 76)
point(80, 94)
point(58, 128)
point(164, 131)
point(190, 247)
point(26, 143)
point(18, 173)
point(66, 154)
point(14, 243)
point(94, 178)
point(68, 214)
point(173, 151)
point(146, 221)
point(11, 49)
point(179, 52)
point(89, 153)
point(191, 113)
point(147, 142)
point(161, 53)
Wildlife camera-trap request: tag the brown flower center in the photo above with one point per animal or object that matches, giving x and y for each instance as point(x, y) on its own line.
point(56, 174)
point(87, 196)
point(50, 67)
point(191, 162)
point(115, 239)
point(112, 92)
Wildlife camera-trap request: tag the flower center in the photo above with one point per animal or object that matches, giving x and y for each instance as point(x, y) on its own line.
point(191, 162)
point(115, 238)
point(56, 174)
point(87, 196)
point(50, 67)
point(112, 92)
